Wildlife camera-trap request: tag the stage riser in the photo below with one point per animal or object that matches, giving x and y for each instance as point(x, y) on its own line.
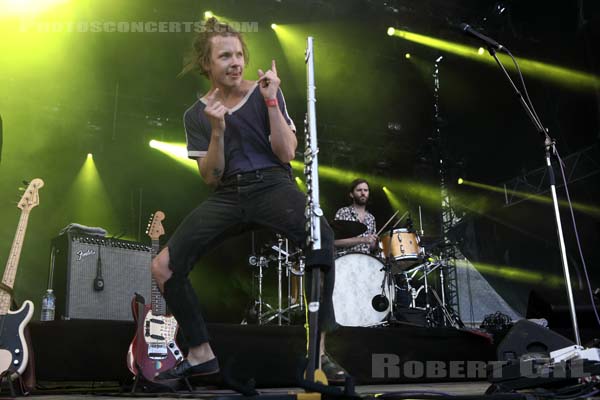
point(93, 350)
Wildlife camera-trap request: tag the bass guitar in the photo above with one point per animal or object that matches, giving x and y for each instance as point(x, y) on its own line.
point(14, 354)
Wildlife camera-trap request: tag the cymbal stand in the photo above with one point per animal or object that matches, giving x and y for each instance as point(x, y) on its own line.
point(283, 258)
point(260, 262)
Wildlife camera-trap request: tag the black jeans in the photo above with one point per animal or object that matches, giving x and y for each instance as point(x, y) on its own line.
point(269, 198)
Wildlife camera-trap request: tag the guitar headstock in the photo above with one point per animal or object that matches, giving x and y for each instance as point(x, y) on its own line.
point(31, 196)
point(155, 228)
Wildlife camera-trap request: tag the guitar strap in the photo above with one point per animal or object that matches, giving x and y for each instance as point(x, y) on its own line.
point(7, 289)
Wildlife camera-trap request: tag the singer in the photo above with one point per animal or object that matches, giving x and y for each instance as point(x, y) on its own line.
point(243, 140)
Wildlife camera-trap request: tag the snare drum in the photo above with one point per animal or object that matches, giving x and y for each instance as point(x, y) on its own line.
point(358, 279)
point(400, 244)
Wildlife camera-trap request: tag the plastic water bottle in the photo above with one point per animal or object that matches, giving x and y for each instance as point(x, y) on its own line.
point(48, 306)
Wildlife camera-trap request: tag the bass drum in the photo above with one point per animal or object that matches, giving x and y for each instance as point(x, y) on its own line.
point(358, 279)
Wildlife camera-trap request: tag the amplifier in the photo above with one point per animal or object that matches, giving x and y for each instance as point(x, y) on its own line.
point(96, 277)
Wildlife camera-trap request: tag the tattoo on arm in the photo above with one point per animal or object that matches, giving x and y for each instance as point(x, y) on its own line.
point(217, 172)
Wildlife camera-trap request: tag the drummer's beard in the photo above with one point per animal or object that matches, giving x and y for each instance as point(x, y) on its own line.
point(360, 201)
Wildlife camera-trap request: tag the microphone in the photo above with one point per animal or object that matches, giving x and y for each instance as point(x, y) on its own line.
point(466, 28)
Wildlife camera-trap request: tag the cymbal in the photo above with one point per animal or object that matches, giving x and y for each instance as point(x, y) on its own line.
point(346, 229)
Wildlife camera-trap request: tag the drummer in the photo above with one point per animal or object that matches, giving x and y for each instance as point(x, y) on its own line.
point(357, 212)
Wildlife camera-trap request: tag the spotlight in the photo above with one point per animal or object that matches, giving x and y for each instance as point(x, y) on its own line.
point(481, 51)
point(90, 156)
point(391, 31)
point(274, 27)
point(208, 14)
point(460, 181)
point(384, 188)
point(153, 143)
point(407, 56)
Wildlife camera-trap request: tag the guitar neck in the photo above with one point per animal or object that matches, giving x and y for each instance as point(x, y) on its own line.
point(159, 306)
point(10, 271)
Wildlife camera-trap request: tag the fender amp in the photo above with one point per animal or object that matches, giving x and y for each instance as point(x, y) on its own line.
point(96, 277)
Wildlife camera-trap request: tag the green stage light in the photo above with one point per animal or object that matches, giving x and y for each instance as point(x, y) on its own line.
point(274, 27)
point(391, 31)
point(301, 184)
point(460, 181)
point(88, 201)
point(90, 155)
point(564, 76)
point(424, 194)
point(584, 208)
point(208, 14)
point(515, 274)
point(481, 51)
point(407, 56)
point(292, 39)
point(177, 151)
point(393, 200)
point(28, 7)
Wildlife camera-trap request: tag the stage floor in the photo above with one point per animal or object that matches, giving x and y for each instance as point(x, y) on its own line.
point(85, 392)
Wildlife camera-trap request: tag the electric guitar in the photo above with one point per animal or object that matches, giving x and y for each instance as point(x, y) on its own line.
point(14, 354)
point(153, 349)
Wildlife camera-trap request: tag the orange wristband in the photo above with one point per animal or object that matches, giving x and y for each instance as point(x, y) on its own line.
point(271, 102)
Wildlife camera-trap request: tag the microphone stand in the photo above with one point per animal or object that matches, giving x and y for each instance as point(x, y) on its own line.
point(549, 146)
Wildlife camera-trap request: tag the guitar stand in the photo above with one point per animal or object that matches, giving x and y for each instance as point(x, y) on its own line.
point(6, 375)
point(156, 387)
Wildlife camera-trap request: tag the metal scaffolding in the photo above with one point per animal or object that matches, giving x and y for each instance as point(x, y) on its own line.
point(449, 219)
point(579, 165)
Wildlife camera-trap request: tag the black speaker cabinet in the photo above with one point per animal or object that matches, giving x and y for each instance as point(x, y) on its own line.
point(529, 337)
point(95, 277)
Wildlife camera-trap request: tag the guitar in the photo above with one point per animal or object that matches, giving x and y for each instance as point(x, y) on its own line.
point(14, 354)
point(153, 349)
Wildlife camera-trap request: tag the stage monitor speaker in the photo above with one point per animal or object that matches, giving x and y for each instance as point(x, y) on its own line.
point(96, 277)
point(528, 337)
point(554, 307)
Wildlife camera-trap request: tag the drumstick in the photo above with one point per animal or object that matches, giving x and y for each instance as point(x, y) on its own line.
point(400, 220)
point(388, 221)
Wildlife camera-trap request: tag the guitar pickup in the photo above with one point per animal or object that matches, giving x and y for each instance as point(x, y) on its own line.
point(157, 356)
point(157, 321)
point(157, 337)
point(157, 351)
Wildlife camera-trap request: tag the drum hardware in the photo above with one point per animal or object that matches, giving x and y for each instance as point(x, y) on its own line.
point(449, 317)
point(437, 312)
point(255, 312)
point(284, 264)
point(414, 292)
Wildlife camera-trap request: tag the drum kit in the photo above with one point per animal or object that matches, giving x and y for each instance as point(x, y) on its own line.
point(370, 290)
